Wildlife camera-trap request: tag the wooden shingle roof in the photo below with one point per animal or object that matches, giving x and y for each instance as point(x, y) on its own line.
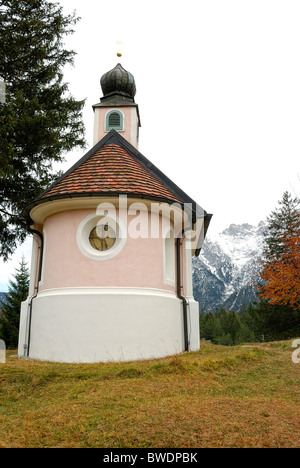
point(114, 167)
point(111, 169)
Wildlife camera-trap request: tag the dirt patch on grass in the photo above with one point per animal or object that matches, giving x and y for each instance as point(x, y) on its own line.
point(262, 346)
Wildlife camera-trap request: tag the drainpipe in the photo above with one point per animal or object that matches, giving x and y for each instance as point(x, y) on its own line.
point(22, 221)
point(41, 248)
point(180, 287)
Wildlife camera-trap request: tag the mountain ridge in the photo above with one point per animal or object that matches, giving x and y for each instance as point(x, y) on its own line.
point(225, 273)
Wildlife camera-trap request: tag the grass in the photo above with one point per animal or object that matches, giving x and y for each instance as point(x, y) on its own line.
point(217, 397)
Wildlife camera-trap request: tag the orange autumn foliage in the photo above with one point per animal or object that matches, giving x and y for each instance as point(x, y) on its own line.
point(282, 276)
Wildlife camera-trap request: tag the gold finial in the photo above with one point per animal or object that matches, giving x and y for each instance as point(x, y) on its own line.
point(119, 44)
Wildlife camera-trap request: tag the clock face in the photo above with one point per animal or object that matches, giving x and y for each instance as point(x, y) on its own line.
point(102, 237)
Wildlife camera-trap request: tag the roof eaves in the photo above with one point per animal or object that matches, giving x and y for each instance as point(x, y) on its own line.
point(63, 196)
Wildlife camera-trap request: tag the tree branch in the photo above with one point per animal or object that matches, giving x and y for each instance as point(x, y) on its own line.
point(5, 212)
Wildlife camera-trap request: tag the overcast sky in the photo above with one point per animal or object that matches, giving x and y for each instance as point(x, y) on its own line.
point(218, 89)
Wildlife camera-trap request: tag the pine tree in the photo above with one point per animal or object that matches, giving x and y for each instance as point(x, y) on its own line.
point(283, 223)
point(206, 325)
point(251, 321)
point(39, 120)
point(244, 335)
point(277, 322)
point(10, 317)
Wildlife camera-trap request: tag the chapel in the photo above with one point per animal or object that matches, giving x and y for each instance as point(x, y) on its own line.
point(113, 240)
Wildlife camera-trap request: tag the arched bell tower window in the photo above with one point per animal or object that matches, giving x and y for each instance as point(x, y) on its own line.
point(114, 120)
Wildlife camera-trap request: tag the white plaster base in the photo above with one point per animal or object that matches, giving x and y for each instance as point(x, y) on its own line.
point(106, 324)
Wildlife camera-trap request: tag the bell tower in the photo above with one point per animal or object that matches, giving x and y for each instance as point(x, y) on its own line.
point(117, 109)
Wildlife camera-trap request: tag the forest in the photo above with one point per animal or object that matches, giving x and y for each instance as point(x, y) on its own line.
point(256, 322)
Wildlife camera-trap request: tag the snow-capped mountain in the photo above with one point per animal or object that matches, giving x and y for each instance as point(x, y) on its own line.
point(225, 272)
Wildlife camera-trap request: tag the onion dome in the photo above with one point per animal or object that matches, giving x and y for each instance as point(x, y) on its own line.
point(118, 81)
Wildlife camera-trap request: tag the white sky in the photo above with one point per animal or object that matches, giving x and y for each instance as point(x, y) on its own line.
point(218, 89)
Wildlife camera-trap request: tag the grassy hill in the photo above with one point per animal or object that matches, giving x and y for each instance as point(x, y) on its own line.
point(218, 397)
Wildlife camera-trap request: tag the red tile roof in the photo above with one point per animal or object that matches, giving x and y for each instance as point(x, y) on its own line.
point(110, 169)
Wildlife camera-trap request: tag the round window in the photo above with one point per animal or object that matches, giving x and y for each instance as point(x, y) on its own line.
point(102, 237)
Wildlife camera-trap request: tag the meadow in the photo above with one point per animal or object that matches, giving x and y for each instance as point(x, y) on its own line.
point(221, 396)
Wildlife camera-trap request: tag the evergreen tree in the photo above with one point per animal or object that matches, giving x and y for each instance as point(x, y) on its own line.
point(250, 321)
point(10, 317)
point(225, 327)
point(39, 120)
point(245, 335)
point(225, 340)
point(277, 322)
point(207, 325)
point(283, 223)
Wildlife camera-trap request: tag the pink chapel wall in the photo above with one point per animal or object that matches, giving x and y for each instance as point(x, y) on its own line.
point(138, 264)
